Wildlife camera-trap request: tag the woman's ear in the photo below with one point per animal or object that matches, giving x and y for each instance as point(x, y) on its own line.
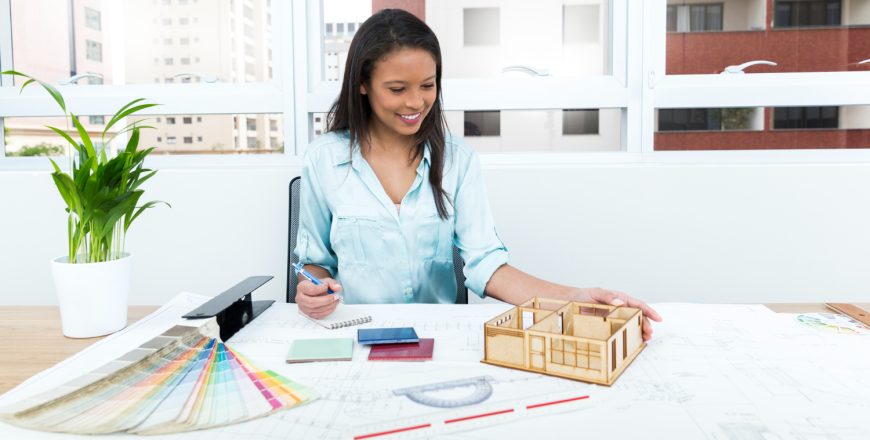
point(362, 90)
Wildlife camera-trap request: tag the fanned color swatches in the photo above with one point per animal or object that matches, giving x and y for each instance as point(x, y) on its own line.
point(182, 380)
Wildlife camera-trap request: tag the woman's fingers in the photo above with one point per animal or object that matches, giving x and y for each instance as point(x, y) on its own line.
point(314, 301)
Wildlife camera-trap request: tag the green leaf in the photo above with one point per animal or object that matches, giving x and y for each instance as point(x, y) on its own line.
point(86, 139)
point(124, 112)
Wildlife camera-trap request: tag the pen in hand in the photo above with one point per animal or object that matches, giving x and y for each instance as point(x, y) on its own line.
point(300, 269)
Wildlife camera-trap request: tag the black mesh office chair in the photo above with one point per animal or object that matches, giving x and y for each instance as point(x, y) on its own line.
point(293, 229)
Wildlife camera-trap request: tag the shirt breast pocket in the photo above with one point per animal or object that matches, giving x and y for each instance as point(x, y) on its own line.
point(434, 237)
point(358, 236)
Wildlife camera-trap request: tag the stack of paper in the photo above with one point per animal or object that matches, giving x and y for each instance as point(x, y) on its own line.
point(182, 380)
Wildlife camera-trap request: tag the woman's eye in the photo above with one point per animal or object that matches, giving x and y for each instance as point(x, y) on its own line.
point(399, 90)
point(428, 86)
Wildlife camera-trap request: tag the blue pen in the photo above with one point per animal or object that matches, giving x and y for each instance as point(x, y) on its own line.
point(300, 269)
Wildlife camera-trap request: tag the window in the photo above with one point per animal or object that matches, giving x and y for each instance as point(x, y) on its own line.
point(480, 26)
point(184, 61)
point(805, 117)
point(167, 61)
point(794, 13)
point(94, 50)
point(170, 120)
point(92, 19)
point(199, 138)
point(483, 123)
point(339, 28)
point(580, 24)
point(695, 18)
point(183, 21)
point(170, 140)
point(96, 120)
point(186, 120)
point(199, 119)
point(251, 124)
point(167, 41)
point(253, 142)
point(273, 125)
point(328, 29)
point(184, 41)
point(248, 12)
point(167, 22)
point(188, 139)
point(579, 122)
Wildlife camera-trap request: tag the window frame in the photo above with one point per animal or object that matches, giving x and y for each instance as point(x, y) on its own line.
point(268, 97)
point(637, 85)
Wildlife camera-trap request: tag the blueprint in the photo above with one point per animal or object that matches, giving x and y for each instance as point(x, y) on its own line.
point(710, 372)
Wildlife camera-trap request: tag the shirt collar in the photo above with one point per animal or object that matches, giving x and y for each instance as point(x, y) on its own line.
point(342, 158)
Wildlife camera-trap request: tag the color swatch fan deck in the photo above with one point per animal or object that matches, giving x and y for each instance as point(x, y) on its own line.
point(183, 380)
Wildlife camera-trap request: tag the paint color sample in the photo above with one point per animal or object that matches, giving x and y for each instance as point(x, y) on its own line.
point(316, 350)
point(415, 351)
point(183, 380)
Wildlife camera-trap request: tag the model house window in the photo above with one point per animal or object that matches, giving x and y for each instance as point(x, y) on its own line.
point(184, 41)
point(487, 123)
point(170, 140)
point(580, 121)
point(92, 19)
point(273, 125)
point(253, 142)
point(806, 117)
point(188, 139)
point(94, 50)
point(96, 120)
point(183, 21)
point(793, 13)
point(186, 120)
point(167, 61)
point(480, 26)
point(170, 119)
point(251, 124)
point(695, 18)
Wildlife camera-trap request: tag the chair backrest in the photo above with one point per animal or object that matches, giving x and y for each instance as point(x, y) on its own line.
point(293, 229)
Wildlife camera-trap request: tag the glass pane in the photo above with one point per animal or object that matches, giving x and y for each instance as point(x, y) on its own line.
point(800, 35)
point(172, 134)
point(162, 40)
point(527, 130)
point(563, 39)
point(763, 128)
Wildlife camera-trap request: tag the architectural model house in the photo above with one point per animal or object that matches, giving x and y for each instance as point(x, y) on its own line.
point(580, 341)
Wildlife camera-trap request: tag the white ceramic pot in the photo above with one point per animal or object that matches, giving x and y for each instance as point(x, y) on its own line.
point(92, 296)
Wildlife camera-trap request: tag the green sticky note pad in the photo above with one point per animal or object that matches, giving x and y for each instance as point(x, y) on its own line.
point(316, 350)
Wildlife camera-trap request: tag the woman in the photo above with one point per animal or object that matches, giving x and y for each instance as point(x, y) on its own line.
point(386, 194)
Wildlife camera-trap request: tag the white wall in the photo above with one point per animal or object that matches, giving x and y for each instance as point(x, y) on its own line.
point(724, 233)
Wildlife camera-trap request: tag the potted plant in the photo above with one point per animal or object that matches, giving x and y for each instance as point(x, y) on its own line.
point(102, 194)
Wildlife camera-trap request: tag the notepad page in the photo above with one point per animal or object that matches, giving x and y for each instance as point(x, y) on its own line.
point(343, 316)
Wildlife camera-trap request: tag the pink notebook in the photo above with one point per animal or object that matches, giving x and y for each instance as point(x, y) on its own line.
point(415, 351)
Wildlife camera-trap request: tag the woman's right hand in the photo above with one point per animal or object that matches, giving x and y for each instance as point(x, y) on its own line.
point(313, 300)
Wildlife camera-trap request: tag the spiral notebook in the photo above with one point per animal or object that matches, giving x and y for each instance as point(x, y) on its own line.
point(343, 316)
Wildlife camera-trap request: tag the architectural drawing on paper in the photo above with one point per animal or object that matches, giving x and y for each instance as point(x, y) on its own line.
point(429, 394)
point(580, 341)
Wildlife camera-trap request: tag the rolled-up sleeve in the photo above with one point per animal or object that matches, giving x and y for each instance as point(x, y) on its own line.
point(476, 238)
point(315, 219)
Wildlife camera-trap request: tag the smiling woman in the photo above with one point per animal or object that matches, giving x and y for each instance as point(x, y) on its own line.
point(367, 215)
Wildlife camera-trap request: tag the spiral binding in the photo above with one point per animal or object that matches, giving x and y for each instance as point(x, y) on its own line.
point(352, 322)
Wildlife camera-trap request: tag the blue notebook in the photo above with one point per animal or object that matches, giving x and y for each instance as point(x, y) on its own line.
point(397, 335)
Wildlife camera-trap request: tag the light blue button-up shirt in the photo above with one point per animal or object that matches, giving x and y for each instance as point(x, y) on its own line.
point(350, 227)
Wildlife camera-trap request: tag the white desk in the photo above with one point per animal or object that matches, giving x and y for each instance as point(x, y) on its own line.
point(734, 371)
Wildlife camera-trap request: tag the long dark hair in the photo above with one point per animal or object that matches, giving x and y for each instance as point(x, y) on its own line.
point(384, 32)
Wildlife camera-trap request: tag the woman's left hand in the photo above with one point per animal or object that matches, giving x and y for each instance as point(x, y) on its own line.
point(616, 298)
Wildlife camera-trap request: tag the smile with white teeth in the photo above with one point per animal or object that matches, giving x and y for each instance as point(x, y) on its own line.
point(410, 117)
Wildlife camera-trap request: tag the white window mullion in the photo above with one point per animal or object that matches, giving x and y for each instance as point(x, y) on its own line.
point(764, 90)
point(5, 59)
point(200, 98)
point(284, 53)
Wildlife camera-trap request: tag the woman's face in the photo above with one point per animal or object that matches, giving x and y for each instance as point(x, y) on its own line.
point(401, 91)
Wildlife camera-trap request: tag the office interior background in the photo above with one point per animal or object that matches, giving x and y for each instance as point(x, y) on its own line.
point(692, 150)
